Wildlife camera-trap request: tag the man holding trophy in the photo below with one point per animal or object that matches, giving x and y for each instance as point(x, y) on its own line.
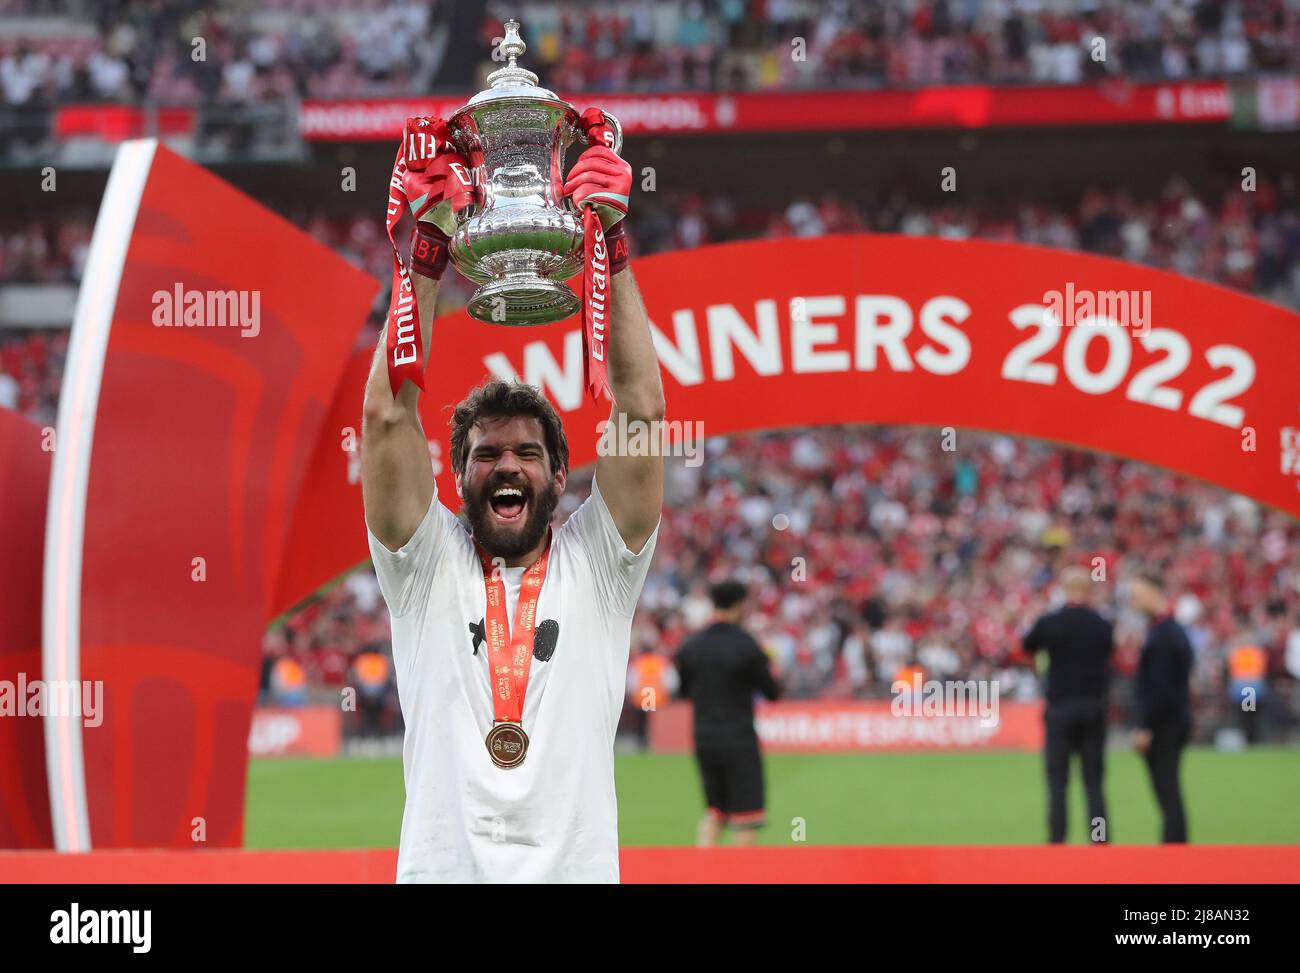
point(511, 639)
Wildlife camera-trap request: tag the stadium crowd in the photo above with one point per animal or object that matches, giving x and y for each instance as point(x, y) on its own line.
point(136, 51)
point(1246, 240)
point(869, 550)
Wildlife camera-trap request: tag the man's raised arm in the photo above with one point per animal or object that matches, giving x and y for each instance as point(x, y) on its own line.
point(397, 486)
point(633, 486)
point(396, 474)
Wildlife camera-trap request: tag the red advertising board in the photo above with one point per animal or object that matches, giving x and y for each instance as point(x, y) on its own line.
point(1116, 102)
point(305, 731)
point(805, 726)
point(116, 123)
point(963, 106)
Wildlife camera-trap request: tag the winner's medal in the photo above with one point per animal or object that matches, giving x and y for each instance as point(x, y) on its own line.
point(507, 744)
point(510, 656)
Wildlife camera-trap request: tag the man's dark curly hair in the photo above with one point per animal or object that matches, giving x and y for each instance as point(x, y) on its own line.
point(497, 399)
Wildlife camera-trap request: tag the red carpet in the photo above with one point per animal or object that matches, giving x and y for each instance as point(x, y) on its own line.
point(1217, 864)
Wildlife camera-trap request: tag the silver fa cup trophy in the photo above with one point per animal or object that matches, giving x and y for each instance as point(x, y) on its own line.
point(525, 239)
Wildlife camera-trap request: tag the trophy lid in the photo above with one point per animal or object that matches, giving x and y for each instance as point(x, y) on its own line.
point(512, 82)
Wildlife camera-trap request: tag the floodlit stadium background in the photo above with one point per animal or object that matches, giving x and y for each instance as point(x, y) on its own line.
point(934, 558)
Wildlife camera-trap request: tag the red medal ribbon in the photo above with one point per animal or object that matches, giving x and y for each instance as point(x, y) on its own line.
point(510, 650)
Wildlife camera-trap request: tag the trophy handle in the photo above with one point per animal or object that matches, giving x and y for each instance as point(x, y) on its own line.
point(464, 146)
point(618, 132)
point(576, 133)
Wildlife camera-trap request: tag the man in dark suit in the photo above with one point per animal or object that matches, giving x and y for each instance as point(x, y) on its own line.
point(1164, 702)
point(1079, 644)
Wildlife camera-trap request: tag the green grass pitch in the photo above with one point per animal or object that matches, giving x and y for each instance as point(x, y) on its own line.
point(1250, 797)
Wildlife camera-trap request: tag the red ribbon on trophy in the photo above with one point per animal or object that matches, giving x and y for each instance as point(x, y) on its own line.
point(426, 148)
point(596, 276)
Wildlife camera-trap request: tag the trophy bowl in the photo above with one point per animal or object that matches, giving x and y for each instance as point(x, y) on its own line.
point(525, 239)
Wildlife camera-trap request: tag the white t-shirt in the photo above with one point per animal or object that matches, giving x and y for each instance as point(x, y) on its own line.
point(554, 818)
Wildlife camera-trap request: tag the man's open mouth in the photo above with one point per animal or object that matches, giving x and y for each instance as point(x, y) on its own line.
point(508, 504)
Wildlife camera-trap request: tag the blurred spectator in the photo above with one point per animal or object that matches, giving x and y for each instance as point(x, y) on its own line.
point(651, 683)
point(372, 675)
point(288, 682)
point(8, 392)
point(1247, 686)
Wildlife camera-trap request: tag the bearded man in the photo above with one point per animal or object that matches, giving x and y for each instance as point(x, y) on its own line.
point(510, 639)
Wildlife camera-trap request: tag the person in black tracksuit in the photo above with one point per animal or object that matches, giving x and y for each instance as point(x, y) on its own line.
point(1164, 702)
point(720, 669)
point(1079, 644)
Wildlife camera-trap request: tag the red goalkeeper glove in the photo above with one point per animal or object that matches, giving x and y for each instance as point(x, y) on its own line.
point(438, 184)
point(600, 178)
point(603, 180)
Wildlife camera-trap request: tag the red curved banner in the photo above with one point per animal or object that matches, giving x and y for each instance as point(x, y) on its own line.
point(1078, 349)
point(222, 333)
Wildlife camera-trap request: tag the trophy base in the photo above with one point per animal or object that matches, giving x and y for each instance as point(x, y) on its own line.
point(523, 299)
